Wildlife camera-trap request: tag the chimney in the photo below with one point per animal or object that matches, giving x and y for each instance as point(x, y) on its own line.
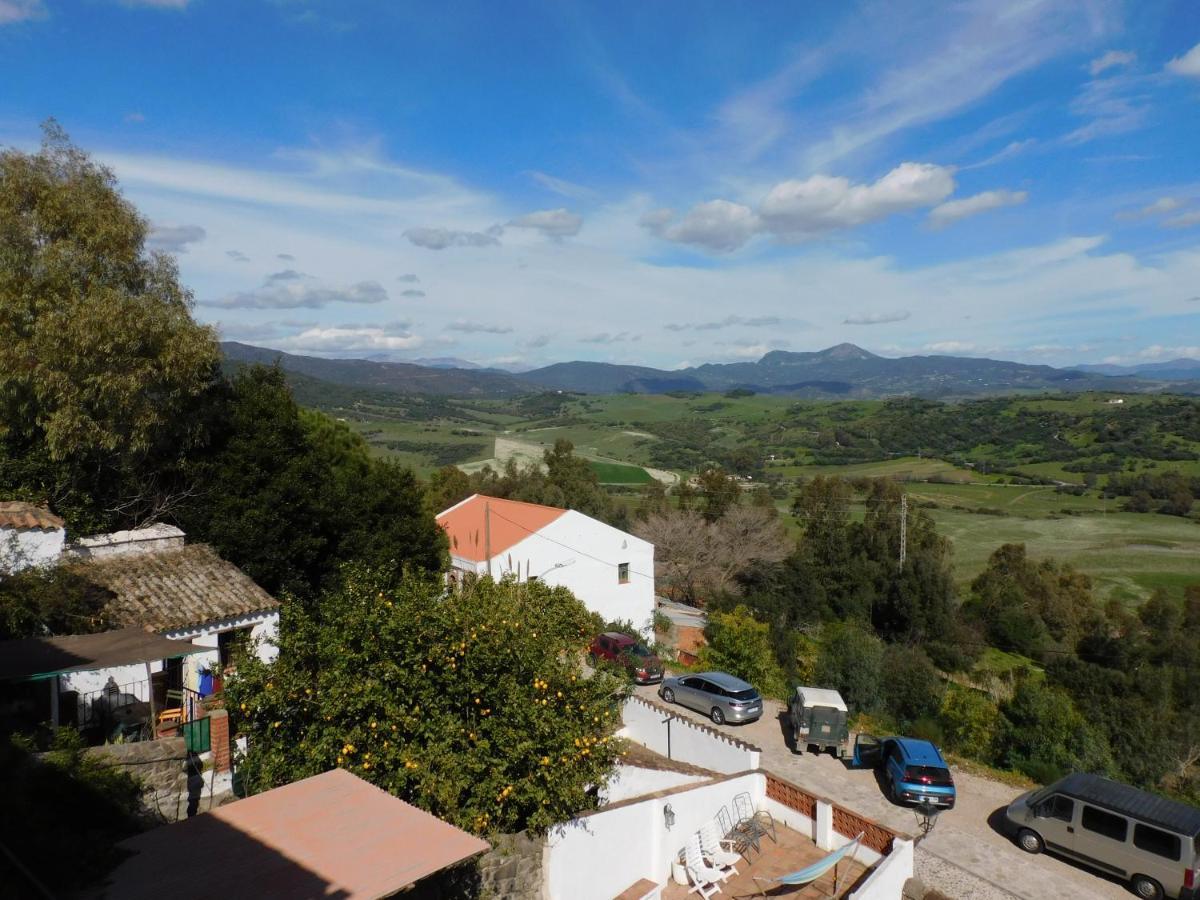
point(30, 536)
point(149, 539)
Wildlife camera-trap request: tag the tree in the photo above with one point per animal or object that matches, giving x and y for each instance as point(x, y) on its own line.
point(739, 644)
point(101, 365)
point(851, 661)
point(471, 705)
point(1044, 735)
point(721, 492)
point(698, 561)
point(912, 687)
point(55, 601)
point(447, 486)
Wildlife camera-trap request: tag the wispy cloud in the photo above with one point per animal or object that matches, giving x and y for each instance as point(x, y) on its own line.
point(728, 322)
point(556, 223)
point(562, 187)
point(467, 326)
point(954, 210)
point(174, 238)
point(133, 118)
point(412, 292)
point(441, 238)
point(301, 293)
point(1161, 206)
point(877, 318)
point(351, 339)
point(408, 279)
point(13, 11)
point(1111, 60)
point(237, 256)
point(606, 337)
point(1184, 220)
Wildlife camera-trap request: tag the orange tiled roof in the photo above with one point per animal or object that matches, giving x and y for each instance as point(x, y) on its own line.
point(18, 514)
point(511, 521)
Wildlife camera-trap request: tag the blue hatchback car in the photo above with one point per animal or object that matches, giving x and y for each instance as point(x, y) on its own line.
point(914, 770)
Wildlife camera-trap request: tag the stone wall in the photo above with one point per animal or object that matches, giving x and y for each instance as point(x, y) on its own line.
point(512, 869)
point(161, 767)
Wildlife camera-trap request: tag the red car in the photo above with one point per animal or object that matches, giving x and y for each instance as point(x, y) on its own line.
point(622, 650)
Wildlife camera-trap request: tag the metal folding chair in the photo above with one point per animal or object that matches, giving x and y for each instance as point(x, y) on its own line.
point(760, 822)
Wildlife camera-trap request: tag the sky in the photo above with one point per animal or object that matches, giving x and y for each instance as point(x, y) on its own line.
point(665, 183)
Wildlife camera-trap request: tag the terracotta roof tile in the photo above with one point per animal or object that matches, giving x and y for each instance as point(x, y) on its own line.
point(511, 521)
point(170, 589)
point(18, 514)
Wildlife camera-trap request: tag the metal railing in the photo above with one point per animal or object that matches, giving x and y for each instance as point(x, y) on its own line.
point(120, 713)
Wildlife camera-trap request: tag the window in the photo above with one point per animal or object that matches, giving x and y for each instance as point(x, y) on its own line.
point(1105, 823)
point(692, 683)
point(622, 573)
point(1056, 807)
point(1160, 843)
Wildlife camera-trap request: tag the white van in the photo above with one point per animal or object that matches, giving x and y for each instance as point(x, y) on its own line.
point(1149, 840)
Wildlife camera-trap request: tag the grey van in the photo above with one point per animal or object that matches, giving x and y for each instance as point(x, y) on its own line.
point(1149, 840)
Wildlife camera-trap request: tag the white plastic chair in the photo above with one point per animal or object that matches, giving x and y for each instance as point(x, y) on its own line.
point(704, 877)
point(721, 852)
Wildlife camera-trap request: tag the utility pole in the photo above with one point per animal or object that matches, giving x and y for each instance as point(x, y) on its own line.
point(487, 535)
point(903, 529)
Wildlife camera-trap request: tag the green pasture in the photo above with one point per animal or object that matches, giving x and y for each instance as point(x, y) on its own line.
point(618, 473)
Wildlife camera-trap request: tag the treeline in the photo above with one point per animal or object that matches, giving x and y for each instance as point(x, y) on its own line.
point(1172, 493)
point(1104, 689)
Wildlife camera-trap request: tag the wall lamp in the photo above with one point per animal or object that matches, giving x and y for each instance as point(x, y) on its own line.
point(668, 816)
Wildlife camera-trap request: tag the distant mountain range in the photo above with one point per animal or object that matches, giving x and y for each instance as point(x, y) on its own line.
point(844, 371)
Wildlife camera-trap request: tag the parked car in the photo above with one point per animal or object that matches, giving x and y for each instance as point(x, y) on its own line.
point(622, 650)
point(720, 696)
point(817, 717)
point(1149, 840)
point(913, 770)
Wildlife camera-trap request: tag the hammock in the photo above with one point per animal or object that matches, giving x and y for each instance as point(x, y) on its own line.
point(811, 873)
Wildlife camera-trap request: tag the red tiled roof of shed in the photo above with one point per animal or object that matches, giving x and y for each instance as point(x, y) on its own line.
point(19, 514)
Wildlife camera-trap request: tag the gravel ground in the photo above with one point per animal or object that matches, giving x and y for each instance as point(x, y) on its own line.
point(965, 856)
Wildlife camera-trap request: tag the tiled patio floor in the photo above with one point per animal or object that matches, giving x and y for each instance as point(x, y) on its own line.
point(794, 851)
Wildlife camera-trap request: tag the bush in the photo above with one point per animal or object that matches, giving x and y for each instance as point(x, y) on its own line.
point(741, 645)
point(970, 722)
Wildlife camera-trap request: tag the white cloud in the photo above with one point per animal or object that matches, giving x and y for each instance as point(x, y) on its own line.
point(350, 339)
point(1159, 207)
point(1184, 220)
point(950, 347)
point(821, 203)
point(300, 293)
point(605, 337)
point(1110, 60)
point(412, 292)
point(550, 222)
point(954, 210)
point(1115, 105)
point(656, 220)
point(879, 318)
point(12, 11)
point(716, 225)
point(468, 327)
point(174, 238)
point(441, 238)
point(1158, 351)
point(1188, 64)
point(409, 279)
point(561, 186)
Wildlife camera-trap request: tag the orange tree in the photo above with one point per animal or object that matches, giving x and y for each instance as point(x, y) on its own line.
point(469, 704)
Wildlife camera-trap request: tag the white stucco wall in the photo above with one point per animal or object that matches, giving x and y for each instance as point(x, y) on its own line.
point(583, 554)
point(690, 742)
point(25, 548)
point(887, 881)
point(595, 857)
point(634, 781)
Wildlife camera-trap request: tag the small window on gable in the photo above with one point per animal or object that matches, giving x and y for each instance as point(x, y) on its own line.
point(622, 573)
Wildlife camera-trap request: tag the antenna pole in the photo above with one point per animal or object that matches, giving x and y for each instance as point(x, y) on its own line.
point(487, 535)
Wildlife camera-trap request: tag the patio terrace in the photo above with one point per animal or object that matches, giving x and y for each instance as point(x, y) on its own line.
point(793, 852)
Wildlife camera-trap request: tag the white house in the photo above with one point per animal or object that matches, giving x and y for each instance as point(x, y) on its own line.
point(155, 582)
point(610, 570)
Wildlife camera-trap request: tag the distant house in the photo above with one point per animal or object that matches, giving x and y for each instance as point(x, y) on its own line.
point(156, 583)
point(610, 570)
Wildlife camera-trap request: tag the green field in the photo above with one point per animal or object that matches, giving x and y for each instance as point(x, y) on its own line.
point(617, 473)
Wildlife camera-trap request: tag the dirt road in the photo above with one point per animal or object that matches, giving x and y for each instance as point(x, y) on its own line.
point(965, 856)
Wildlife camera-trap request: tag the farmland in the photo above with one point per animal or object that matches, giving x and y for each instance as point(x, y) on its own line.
point(988, 472)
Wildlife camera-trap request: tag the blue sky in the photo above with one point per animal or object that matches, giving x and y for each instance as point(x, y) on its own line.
point(661, 183)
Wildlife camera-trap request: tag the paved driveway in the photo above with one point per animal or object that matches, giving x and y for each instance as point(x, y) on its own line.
point(964, 856)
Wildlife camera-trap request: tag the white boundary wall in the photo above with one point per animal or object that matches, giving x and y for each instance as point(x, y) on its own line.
point(690, 741)
point(887, 881)
point(596, 856)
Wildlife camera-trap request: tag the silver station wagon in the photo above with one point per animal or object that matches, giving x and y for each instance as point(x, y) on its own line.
point(718, 695)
